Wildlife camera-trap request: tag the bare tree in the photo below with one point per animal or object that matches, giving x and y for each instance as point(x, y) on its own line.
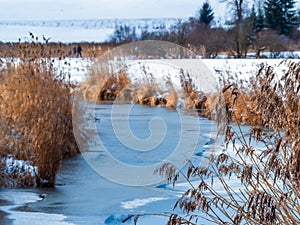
point(237, 8)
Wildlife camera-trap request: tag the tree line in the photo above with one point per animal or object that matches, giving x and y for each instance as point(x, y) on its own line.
point(269, 25)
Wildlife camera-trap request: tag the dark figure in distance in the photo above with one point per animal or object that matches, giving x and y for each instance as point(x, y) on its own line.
point(74, 52)
point(79, 50)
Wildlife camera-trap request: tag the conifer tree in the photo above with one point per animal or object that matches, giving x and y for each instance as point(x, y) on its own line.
point(281, 15)
point(259, 19)
point(206, 14)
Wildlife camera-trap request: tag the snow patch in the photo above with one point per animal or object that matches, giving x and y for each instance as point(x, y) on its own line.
point(139, 202)
point(20, 167)
point(36, 218)
point(20, 198)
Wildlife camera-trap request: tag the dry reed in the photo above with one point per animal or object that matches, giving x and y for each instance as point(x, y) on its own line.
point(35, 115)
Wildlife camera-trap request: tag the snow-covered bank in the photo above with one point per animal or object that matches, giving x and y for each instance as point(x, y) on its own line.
point(162, 70)
point(74, 69)
point(205, 73)
point(18, 199)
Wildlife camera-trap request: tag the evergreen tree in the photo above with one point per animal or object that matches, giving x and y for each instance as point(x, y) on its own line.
point(259, 19)
point(253, 17)
point(281, 15)
point(273, 14)
point(253, 20)
point(206, 14)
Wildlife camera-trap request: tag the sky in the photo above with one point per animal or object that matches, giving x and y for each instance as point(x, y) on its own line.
point(94, 9)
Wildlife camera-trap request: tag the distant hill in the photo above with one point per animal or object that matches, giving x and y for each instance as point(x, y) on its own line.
point(98, 23)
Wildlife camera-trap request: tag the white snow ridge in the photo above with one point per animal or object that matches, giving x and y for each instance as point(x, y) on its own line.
point(139, 202)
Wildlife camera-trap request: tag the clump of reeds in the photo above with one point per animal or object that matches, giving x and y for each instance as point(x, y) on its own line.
point(113, 86)
point(53, 49)
point(35, 114)
point(194, 99)
point(107, 84)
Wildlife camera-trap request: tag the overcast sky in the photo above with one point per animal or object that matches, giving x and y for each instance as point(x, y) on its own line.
point(93, 9)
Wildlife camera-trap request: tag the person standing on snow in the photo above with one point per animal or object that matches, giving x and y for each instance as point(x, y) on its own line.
point(79, 50)
point(74, 54)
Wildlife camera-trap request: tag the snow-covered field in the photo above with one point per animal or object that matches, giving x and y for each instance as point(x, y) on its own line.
point(67, 31)
point(82, 196)
point(203, 71)
point(12, 33)
point(164, 69)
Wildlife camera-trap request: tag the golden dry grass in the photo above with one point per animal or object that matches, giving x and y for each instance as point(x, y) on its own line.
point(17, 50)
point(35, 115)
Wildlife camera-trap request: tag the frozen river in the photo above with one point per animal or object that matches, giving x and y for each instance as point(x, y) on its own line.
point(93, 190)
